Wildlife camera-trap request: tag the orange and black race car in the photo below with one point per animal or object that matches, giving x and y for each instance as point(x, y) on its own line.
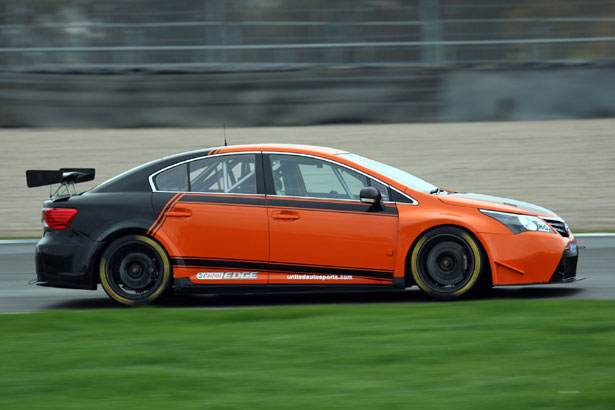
point(288, 218)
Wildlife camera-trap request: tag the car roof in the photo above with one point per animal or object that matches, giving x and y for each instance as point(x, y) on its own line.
point(296, 148)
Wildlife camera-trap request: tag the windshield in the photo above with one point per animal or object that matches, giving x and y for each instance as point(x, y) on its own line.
point(398, 175)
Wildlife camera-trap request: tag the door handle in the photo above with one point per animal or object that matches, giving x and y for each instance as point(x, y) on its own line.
point(285, 215)
point(179, 213)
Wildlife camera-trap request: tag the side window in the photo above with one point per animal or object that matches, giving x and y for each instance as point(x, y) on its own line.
point(320, 180)
point(302, 176)
point(380, 187)
point(234, 174)
point(353, 180)
point(356, 182)
point(173, 179)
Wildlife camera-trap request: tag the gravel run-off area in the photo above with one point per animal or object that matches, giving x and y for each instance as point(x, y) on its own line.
point(566, 166)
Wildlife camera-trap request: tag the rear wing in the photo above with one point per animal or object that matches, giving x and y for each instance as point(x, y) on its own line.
point(65, 177)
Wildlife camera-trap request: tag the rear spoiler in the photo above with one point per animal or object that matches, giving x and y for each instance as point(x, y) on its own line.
point(65, 177)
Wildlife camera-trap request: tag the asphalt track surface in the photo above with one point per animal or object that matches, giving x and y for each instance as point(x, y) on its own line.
point(596, 264)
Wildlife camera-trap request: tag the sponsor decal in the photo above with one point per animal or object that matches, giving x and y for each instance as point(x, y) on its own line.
point(227, 275)
point(318, 277)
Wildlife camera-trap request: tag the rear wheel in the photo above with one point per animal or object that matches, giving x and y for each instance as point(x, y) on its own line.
point(447, 263)
point(135, 270)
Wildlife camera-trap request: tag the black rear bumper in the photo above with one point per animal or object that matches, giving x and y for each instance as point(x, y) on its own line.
point(566, 270)
point(64, 259)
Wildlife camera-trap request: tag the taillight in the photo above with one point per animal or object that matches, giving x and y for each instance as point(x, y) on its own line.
point(59, 218)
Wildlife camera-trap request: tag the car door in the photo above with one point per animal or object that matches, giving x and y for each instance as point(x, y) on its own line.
point(319, 230)
point(214, 222)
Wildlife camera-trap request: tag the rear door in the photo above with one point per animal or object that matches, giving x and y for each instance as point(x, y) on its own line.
point(319, 230)
point(214, 222)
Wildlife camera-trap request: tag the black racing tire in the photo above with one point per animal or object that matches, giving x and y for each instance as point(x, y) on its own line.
point(447, 263)
point(135, 270)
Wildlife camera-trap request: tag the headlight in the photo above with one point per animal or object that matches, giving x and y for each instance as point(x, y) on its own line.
point(519, 223)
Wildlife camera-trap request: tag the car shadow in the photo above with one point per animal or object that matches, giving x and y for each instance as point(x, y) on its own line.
point(534, 292)
point(278, 299)
point(85, 304)
point(410, 296)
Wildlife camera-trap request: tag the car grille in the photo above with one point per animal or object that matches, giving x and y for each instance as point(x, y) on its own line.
point(559, 225)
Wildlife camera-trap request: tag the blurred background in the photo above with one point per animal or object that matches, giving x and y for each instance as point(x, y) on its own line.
point(448, 90)
point(152, 63)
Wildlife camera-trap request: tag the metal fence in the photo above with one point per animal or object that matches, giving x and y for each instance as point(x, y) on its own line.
point(139, 33)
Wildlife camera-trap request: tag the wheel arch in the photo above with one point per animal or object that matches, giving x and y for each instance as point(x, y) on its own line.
point(409, 280)
point(110, 237)
point(129, 237)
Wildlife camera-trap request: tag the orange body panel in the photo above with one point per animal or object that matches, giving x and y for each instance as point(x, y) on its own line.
point(530, 257)
point(216, 232)
point(340, 245)
point(342, 240)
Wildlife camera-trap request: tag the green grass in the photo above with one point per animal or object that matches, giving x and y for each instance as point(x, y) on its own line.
point(503, 354)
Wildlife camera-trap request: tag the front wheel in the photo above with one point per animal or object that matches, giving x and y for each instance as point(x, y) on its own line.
point(447, 263)
point(135, 270)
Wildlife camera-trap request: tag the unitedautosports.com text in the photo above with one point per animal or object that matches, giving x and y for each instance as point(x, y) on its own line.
point(319, 277)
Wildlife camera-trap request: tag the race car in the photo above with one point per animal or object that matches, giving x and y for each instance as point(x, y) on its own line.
point(279, 217)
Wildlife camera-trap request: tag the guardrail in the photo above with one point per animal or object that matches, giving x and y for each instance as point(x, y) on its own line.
point(307, 45)
point(431, 38)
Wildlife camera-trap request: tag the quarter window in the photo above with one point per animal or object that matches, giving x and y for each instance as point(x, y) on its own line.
point(309, 177)
point(174, 179)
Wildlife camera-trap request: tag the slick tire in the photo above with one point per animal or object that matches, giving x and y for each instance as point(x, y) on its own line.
point(448, 262)
point(135, 270)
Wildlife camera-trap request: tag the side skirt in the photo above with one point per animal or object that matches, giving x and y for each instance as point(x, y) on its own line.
point(185, 286)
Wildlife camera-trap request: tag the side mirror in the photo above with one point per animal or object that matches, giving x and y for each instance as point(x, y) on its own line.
point(370, 195)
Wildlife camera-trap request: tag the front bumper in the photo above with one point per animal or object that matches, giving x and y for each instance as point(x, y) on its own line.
point(530, 257)
point(65, 258)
